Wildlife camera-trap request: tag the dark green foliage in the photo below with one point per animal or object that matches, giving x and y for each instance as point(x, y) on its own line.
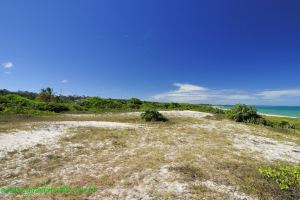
point(56, 107)
point(96, 103)
point(244, 113)
point(48, 102)
point(153, 116)
point(248, 114)
point(29, 95)
point(284, 124)
point(134, 103)
point(12, 103)
point(175, 105)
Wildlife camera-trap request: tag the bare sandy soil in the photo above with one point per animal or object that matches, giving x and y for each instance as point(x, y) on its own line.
point(48, 134)
point(193, 156)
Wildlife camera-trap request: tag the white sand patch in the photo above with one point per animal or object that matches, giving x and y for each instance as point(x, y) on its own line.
point(171, 113)
point(186, 113)
point(269, 148)
point(229, 190)
point(83, 115)
point(176, 113)
point(161, 181)
point(209, 127)
point(48, 134)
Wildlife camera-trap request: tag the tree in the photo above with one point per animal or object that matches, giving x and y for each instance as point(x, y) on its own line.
point(46, 94)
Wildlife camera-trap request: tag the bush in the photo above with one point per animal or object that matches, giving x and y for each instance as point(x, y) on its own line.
point(134, 103)
point(147, 106)
point(244, 113)
point(286, 177)
point(98, 104)
point(284, 124)
point(56, 107)
point(153, 115)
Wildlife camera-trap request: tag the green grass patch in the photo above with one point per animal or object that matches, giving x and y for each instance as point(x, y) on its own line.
point(286, 176)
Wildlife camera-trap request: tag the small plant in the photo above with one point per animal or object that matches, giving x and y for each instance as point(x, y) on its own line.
point(286, 177)
point(152, 116)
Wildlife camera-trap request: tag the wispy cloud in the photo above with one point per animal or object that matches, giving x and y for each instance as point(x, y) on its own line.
point(275, 94)
point(198, 94)
point(194, 93)
point(8, 65)
point(64, 81)
point(189, 87)
point(7, 72)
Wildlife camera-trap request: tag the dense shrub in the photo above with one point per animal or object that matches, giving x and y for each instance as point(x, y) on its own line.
point(56, 107)
point(148, 106)
point(284, 124)
point(153, 115)
point(244, 113)
point(15, 104)
point(98, 104)
point(176, 105)
point(134, 103)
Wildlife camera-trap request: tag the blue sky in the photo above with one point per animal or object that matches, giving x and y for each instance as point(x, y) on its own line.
point(187, 51)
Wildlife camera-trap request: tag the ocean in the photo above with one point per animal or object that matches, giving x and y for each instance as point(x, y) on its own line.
point(288, 111)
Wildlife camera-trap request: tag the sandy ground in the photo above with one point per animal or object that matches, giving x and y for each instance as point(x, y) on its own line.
point(197, 139)
point(47, 134)
point(268, 148)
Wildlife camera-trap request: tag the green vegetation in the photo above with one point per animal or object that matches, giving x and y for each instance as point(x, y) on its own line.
point(243, 113)
point(153, 116)
point(46, 102)
point(134, 103)
point(46, 95)
point(284, 122)
point(248, 114)
point(286, 176)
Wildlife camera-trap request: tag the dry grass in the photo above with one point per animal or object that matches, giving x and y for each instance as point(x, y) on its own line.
point(172, 160)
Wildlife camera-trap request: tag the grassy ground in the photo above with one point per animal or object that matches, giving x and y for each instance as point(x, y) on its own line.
point(184, 158)
point(295, 121)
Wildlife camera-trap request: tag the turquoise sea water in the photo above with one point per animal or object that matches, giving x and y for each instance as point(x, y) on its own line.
point(289, 111)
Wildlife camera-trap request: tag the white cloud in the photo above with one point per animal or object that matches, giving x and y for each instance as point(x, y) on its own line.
point(238, 96)
point(189, 87)
point(7, 65)
point(195, 93)
point(198, 94)
point(275, 94)
point(7, 72)
point(64, 81)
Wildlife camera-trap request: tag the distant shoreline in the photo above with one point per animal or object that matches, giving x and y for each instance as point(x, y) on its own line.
point(264, 114)
point(282, 116)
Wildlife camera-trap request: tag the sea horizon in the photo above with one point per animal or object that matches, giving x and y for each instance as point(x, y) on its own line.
point(280, 111)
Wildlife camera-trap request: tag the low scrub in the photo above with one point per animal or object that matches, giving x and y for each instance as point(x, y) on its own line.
point(286, 176)
point(152, 116)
